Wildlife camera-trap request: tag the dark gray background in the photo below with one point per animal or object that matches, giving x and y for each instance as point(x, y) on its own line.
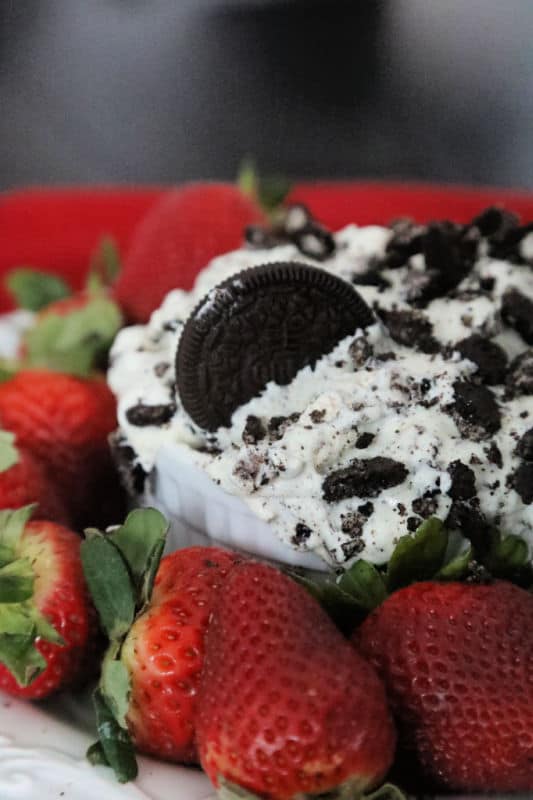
point(165, 90)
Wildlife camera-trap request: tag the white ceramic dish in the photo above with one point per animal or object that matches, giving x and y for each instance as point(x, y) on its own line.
point(42, 755)
point(200, 512)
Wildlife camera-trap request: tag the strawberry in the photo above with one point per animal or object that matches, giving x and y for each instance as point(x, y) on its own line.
point(186, 229)
point(70, 332)
point(47, 625)
point(152, 670)
point(23, 481)
point(56, 230)
point(64, 421)
point(457, 661)
point(287, 708)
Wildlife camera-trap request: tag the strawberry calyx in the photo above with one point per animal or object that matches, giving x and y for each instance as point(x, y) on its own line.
point(22, 625)
point(268, 192)
point(120, 568)
point(431, 553)
point(350, 790)
point(71, 333)
point(33, 289)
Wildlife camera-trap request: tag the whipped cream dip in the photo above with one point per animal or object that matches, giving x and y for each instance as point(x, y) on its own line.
point(413, 416)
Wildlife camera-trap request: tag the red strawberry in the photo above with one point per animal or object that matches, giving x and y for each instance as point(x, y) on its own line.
point(457, 660)
point(46, 622)
point(23, 481)
point(157, 637)
point(286, 707)
point(186, 229)
point(57, 230)
point(164, 651)
point(65, 421)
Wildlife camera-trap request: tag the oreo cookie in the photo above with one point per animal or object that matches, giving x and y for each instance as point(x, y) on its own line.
point(517, 312)
point(143, 415)
point(363, 477)
point(263, 324)
point(490, 358)
point(477, 407)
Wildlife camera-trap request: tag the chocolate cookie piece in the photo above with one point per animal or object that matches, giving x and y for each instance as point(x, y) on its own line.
point(477, 406)
point(517, 312)
point(131, 473)
point(490, 358)
point(520, 375)
point(363, 477)
point(410, 328)
point(524, 448)
point(253, 430)
point(143, 415)
point(463, 481)
point(263, 324)
point(522, 482)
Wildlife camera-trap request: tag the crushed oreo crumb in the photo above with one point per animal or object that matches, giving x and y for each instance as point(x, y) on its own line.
point(366, 509)
point(301, 533)
point(517, 312)
point(254, 430)
point(278, 425)
point(143, 415)
point(317, 415)
point(363, 478)
point(477, 407)
point(413, 523)
point(131, 473)
point(364, 440)
point(520, 375)
point(360, 351)
point(160, 368)
point(490, 358)
point(522, 482)
point(410, 328)
point(494, 455)
point(524, 448)
point(425, 506)
point(463, 481)
point(296, 225)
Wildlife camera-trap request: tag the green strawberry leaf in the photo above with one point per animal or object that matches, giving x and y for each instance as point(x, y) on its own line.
point(115, 684)
point(105, 265)
point(141, 540)
point(35, 290)
point(459, 554)
point(508, 558)
point(343, 609)
point(109, 583)
point(365, 584)
point(95, 755)
point(269, 191)
point(74, 342)
point(12, 524)
point(16, 581)
point(115, 741)
point(21, 657)
point(43, 628)
point(9, 454)
point(418, 557)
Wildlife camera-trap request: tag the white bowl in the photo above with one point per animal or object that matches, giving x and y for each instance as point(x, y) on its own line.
point(200, 512)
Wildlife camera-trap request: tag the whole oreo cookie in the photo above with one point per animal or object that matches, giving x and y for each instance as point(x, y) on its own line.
point(263, 324)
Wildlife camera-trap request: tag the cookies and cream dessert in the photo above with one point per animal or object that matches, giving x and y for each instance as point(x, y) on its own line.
point(346, 387)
